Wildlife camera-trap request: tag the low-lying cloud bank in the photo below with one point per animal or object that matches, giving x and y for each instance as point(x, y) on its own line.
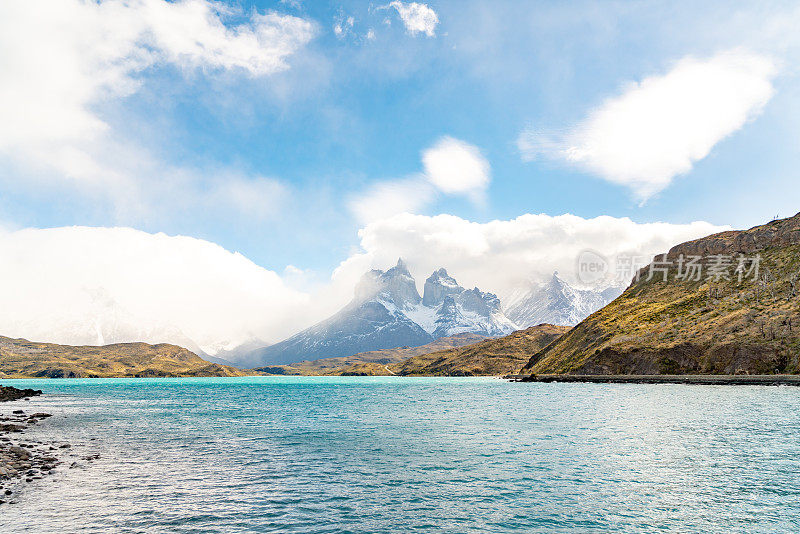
point(501, 255)
point(81, 285)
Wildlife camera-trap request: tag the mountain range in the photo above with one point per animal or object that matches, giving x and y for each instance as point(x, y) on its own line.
point(458, 355)
point(741, 316)
point(387, 311)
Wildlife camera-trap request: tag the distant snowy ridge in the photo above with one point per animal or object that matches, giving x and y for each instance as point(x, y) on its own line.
point(556, 302)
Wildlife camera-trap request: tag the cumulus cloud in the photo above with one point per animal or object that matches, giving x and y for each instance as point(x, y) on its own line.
point(454, 166)
point(62, 60)
point(658, 128)
point(81, 285)
point(59, 57)
point(191, 33)
point(451, 166)
point(392, 197)
point(502, 255)
point(417, 18)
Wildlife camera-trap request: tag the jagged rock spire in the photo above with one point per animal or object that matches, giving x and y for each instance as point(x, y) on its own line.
point(438, 286)
point(395, 285)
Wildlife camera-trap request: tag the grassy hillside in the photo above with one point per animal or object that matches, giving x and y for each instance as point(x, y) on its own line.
point(369, 363)
point(20, 358)
point(499, 356)
point(715, 326)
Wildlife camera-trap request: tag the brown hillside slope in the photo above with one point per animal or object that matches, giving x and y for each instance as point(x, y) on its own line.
point(714, 326)
point(20, 358)
point(489, 357)
point(372, 362)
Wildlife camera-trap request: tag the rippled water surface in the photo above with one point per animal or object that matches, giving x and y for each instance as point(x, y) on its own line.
point(379, 454)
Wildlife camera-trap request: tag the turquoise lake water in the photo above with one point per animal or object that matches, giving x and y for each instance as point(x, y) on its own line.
point(386, 454)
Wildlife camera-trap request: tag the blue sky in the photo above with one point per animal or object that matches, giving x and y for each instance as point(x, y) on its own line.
point(350, 111)
point(267, 159)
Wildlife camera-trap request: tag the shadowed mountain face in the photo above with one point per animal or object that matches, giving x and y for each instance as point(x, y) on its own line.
point(387, 312)
point(23, 358)
point(739, 314)
point(438, 286)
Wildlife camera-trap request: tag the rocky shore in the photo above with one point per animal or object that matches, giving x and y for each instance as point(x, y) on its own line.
point(23, 460)
point(729, 380)
point(8, 393)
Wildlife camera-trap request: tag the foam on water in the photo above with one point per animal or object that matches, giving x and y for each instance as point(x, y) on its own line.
point(386, 454)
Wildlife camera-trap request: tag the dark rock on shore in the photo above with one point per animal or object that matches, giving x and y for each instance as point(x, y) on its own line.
point(8, 393)
point(22, 460)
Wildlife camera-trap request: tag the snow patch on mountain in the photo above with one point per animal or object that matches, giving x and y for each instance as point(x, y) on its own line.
point(556, 302)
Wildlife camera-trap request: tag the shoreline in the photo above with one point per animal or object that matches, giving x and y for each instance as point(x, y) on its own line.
point(23, 460)
point(755, 380)
point(706, 380)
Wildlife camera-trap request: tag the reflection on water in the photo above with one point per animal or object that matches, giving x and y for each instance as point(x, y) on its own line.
point(392, 454)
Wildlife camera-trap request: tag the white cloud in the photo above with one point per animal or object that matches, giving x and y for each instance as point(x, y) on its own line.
point(454, 166)
point(60, 57)
point(191, 33)
point(451, 166)
point(417, 18)
point(61, 61)
point(391, 197)
point(501, 255)
point(659, 127)
point(343, 26)
point(81, 285)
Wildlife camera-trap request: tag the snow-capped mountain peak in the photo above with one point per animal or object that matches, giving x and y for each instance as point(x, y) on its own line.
point(556, 302)
point(395, 285)
point(438, 286)
point(387, 311)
